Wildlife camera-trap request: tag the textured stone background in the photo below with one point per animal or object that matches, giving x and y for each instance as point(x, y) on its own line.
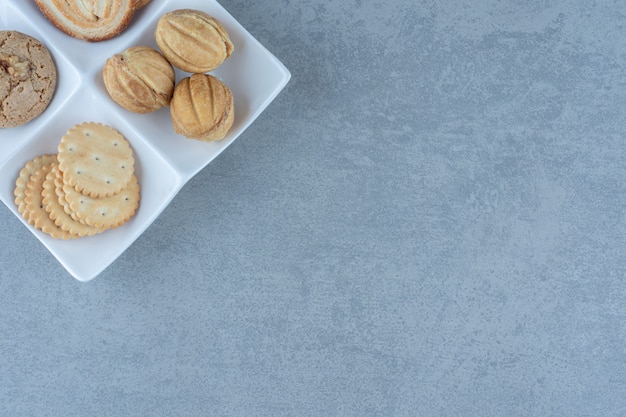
point(429, 220)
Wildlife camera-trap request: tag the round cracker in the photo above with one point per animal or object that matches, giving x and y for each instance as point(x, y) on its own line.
point(95, 159)
point(105, 212)
point(35, 211)
point(25, 173)
point(58, 189)
point(57, 212)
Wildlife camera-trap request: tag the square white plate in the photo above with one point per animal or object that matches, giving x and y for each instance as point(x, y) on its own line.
point(164, 161)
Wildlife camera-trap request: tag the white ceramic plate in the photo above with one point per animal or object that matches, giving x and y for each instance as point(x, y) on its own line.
point(164, 161)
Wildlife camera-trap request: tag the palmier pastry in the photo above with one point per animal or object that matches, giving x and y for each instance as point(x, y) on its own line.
point(91, 20)
point(192, 40)
point(141, 3)
point(202, 108)
point(139, 79)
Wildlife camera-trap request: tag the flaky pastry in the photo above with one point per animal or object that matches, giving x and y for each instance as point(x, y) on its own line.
point(90, 20)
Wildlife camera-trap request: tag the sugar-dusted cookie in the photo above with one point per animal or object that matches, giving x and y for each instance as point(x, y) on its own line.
point(95, 159)
point(25, 173)
point(105, 212)
point(28, 78)
point(35, 212)
point(57, 212)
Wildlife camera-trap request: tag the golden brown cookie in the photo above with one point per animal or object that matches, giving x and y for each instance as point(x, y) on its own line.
point(57, 212)
point(202, 108)
point(139, 79)
point(28, 78)
point(24, 175)
point(90, 20)
point(141, 3)
point(35, 212)
point(105, 212)
point(192, 40)
point(95, 159)
point(58, 189)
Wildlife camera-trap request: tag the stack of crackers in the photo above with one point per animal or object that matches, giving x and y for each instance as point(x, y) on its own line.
point(88, 187)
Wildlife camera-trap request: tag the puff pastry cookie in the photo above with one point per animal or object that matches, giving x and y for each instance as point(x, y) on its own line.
point(91, 20)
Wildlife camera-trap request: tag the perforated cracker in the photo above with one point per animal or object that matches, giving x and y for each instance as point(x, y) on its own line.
point(25, 173)
point(35, 212)
point(105, 212)
point(57, 212)
point(58, 189)
point(95, 159)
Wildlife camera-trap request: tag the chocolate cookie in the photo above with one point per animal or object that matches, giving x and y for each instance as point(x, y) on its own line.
point(28, 78)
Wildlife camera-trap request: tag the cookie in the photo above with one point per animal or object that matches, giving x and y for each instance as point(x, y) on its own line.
point(105, 212)
point(141, 3)
point(95, 159)
point(35, 213)
point(139, 79)
point(28, 78)
point(56, 211)
point(90, 20)
point(202, 108)
point(58, 189)
point(24, 175)
point(192, 40)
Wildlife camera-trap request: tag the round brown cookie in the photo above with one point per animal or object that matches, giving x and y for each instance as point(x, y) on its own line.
point(35, 211)
point(95, 159)
point(105, 212)
point(28, 78)
point(57, 212)
point(29, 169)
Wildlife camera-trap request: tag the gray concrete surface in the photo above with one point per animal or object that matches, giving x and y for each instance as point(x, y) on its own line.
point(428, 221)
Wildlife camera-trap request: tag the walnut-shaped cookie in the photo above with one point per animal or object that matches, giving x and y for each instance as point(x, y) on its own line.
point(139, 79)
point(192, 40)
point(202, 108)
